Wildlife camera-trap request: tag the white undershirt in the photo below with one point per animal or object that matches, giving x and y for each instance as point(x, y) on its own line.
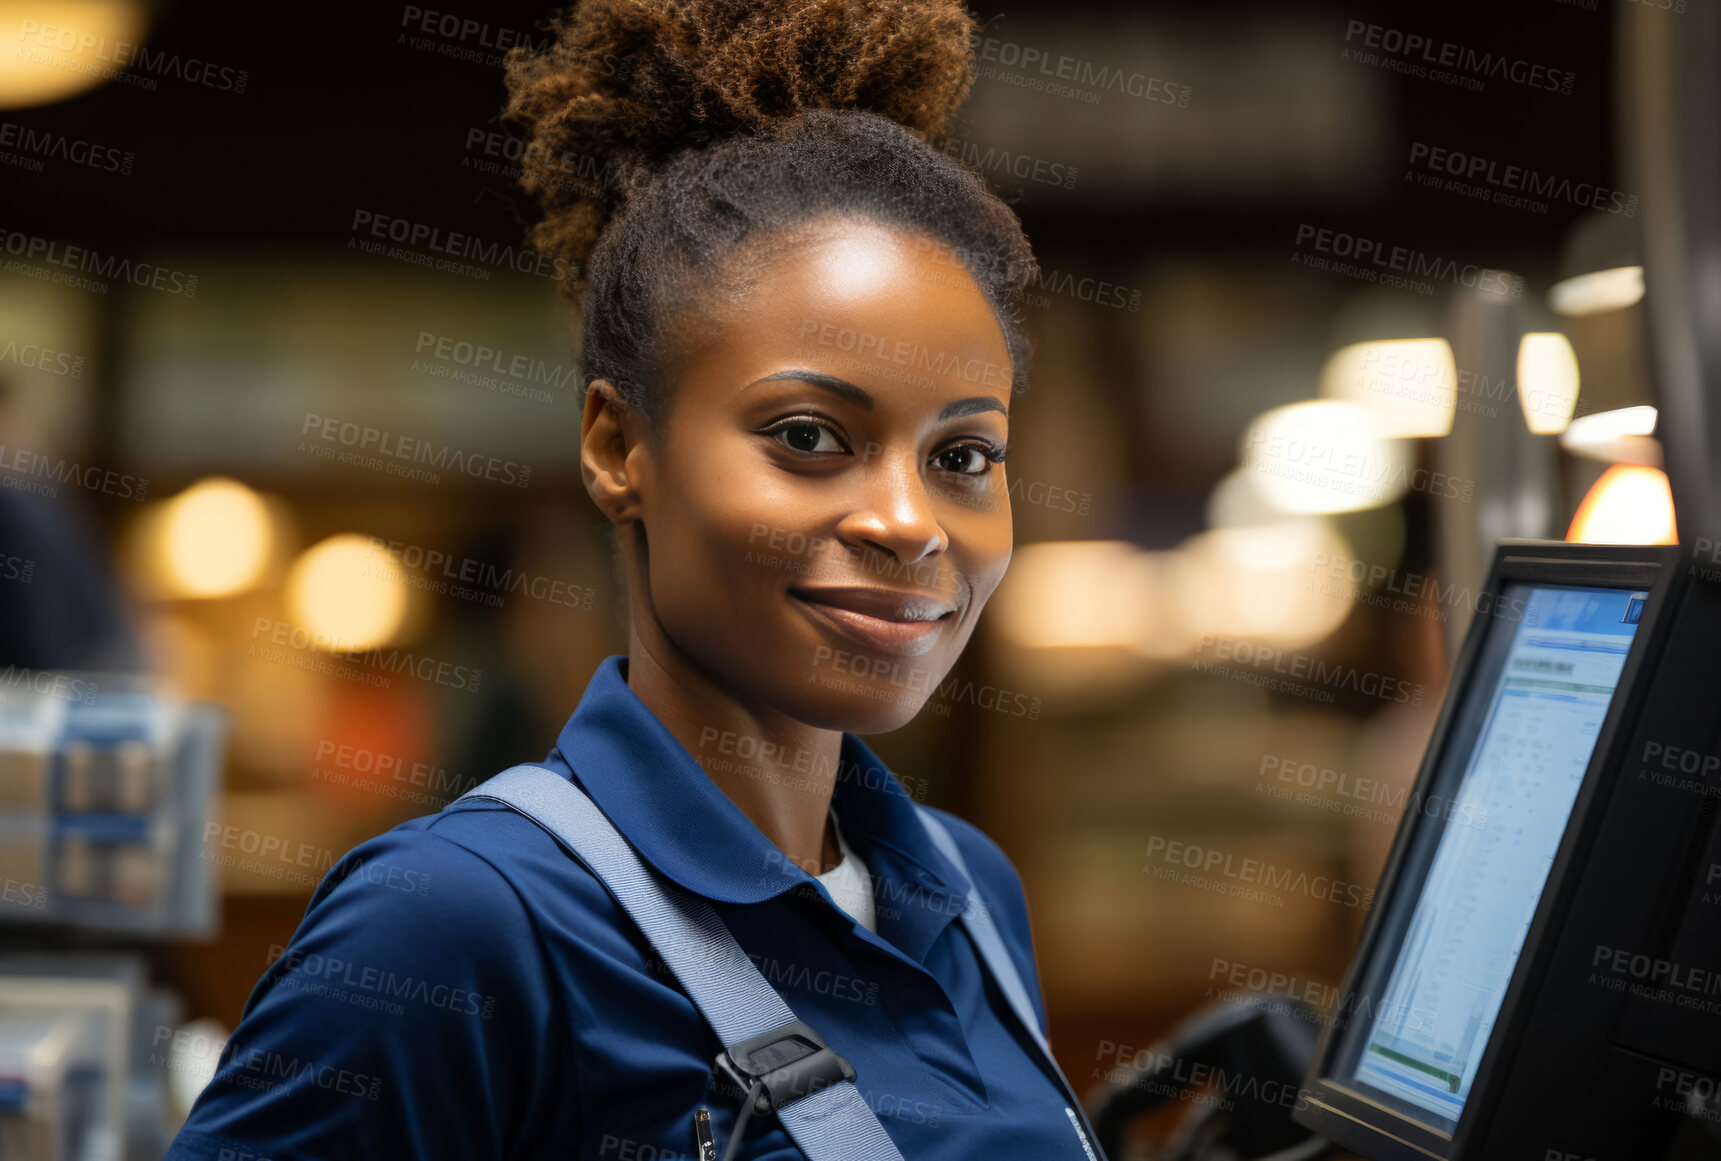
point(850, 883)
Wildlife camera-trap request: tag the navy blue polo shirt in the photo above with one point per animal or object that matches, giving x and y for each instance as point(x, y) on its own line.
point(462, 987)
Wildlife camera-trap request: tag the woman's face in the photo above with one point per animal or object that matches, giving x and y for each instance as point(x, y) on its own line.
point(824, 508)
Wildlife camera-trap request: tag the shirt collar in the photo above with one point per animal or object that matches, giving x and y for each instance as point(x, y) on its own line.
point(674, 815)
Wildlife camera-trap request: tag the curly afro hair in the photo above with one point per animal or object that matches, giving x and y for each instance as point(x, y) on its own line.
point(709, 130)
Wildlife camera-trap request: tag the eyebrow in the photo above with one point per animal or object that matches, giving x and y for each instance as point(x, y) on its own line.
point(843, 389)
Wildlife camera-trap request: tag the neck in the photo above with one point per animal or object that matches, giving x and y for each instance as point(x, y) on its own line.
point(741, 748)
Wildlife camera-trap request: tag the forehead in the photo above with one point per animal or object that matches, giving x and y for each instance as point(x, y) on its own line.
point(887, 309)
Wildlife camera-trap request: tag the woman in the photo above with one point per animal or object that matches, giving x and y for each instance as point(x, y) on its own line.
point(802, 335)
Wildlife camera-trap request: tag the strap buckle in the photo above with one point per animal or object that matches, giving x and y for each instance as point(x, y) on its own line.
point(787, 1063)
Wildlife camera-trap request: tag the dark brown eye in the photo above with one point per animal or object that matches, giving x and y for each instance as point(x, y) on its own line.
point(807, 437)
point(965, 460)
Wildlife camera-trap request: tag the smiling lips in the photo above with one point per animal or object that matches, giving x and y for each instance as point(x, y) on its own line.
point(882, 620)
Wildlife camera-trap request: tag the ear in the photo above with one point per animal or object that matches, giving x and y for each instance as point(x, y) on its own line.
point(611, 452)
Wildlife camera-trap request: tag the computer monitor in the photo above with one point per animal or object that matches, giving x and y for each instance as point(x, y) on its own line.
point(1542, 690)
point(1449, 962)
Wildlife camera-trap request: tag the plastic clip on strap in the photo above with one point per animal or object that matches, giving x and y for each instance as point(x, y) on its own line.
point(776, 1068)
point(778, 1059)
point(787, 1063)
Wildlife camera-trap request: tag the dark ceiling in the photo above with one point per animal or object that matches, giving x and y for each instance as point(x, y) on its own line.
point(338, 113)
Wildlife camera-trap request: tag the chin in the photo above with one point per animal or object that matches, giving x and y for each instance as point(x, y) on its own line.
point(854, 706)
point(857, 716)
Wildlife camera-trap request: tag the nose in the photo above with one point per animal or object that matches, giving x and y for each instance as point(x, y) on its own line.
point(893, 512)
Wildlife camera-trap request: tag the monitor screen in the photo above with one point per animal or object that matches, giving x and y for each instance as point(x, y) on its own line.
point(1517, 757)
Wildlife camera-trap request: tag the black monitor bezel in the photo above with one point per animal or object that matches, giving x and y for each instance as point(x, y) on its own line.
point(1350, 1117)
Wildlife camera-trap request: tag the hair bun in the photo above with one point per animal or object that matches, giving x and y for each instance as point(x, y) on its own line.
point(622, 85)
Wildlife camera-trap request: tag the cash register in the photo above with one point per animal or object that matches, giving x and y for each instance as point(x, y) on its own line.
point(1540, 975)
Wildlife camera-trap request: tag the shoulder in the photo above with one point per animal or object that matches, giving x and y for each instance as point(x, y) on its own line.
point(427, 901)
point(456, 869)
point(488, 870)
point(418, 982)
point(477, 878)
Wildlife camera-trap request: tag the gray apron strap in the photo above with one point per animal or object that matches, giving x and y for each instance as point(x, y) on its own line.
point(977, 920)
point(829, 1123)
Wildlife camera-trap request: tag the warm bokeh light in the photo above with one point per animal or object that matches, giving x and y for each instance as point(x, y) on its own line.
point(1076, 593)
point(60, 48)
point(1547, 381)
point(345, 595)
point(1237, 500)
point(1596, 292)
point(1324, 456)
point(1409, 385)
point(1266, 584)
point(1623, 434)
point(1629, 504)
point(213, 539)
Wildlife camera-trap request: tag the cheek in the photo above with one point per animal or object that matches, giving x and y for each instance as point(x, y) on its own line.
point(981, 544)
point(721, 540)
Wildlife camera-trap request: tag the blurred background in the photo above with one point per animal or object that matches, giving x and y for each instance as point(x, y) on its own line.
point(1333, 296)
